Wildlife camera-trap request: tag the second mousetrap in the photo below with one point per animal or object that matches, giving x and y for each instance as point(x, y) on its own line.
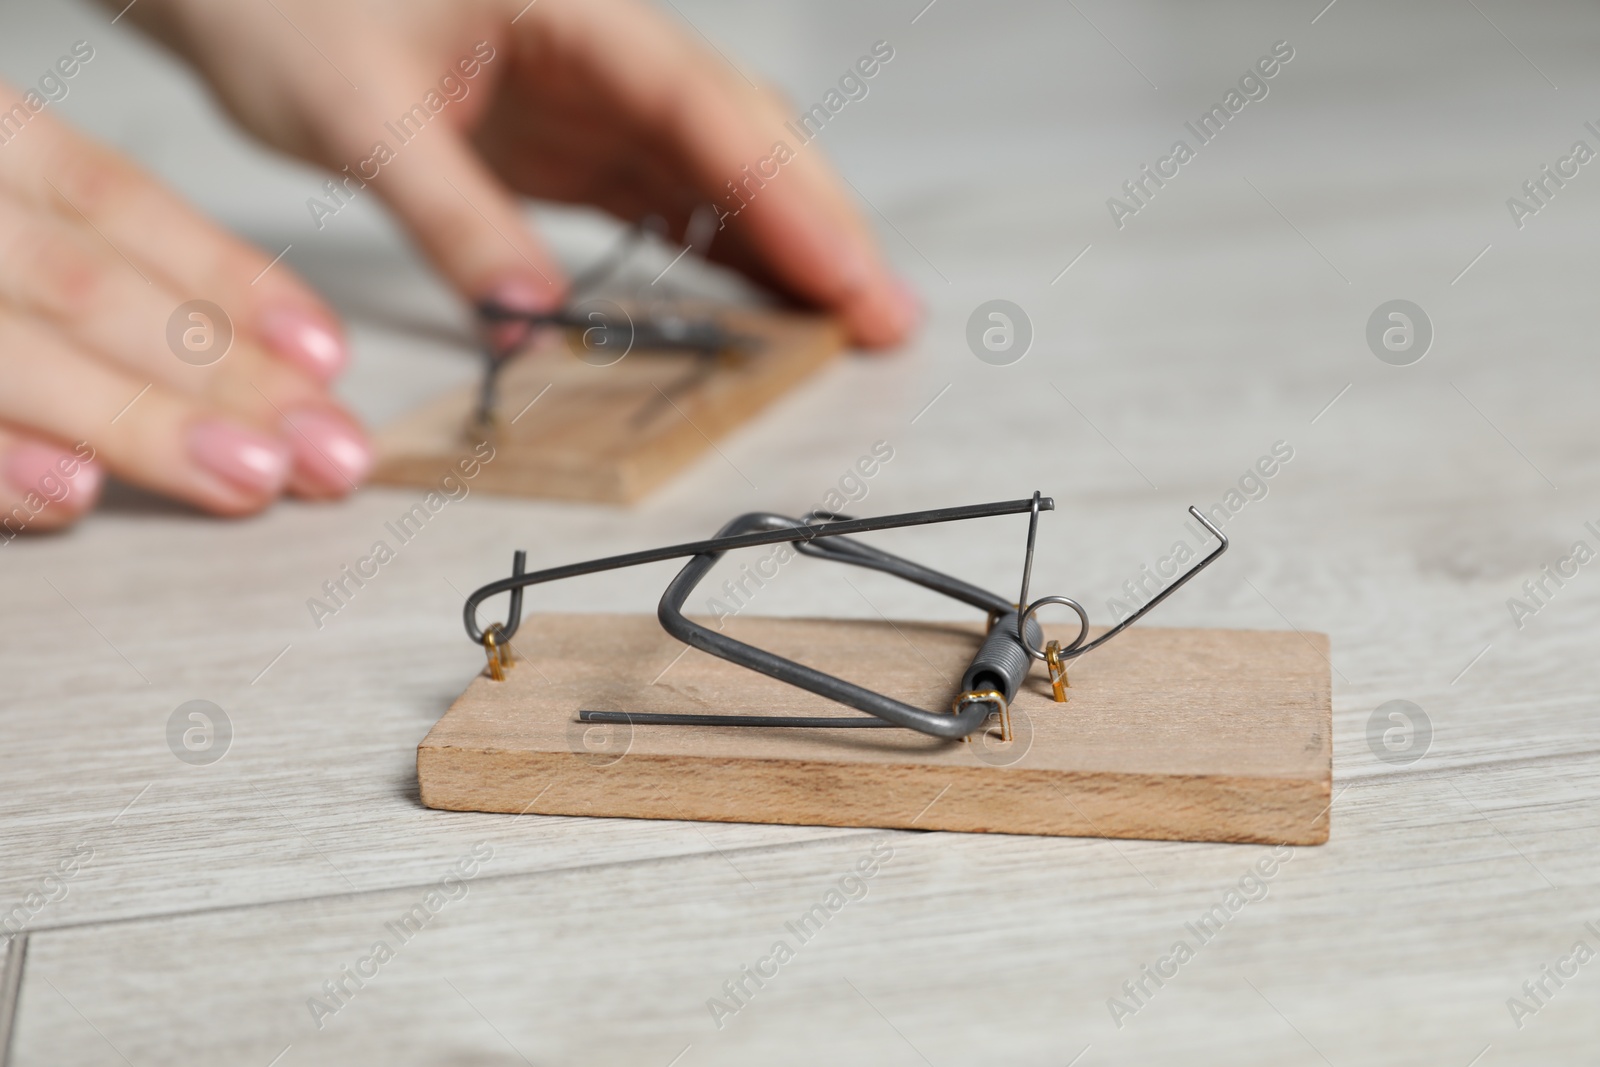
point(573, 428)
point(604, 399)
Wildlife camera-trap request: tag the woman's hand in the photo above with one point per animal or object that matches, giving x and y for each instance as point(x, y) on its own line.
point(96, 259)
point(604, 102)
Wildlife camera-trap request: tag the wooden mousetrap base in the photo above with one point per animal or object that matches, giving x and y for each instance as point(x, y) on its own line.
point(1192, 735)
point(607, 433)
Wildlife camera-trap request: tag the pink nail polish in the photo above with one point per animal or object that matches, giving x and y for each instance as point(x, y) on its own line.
point(60, 477)
point(329, 449)
point(856, 269)
point(908, 303)
point(517, 294)
point(307, 340)
point(248, 458)
point(523, 294)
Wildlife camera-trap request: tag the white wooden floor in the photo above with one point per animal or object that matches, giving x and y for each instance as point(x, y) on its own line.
point(208, 905)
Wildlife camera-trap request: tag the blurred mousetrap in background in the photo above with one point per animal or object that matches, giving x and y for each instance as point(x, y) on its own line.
point(604, 399)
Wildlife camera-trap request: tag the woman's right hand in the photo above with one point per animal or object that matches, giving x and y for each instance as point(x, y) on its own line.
point(96, 261)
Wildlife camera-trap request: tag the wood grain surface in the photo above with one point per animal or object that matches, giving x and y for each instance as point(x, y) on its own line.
point(1198, 735)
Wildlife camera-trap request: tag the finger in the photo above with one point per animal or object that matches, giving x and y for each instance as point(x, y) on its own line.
point(44, 485)
point(466, 222)
point(144, 433)
point(66, 275)
point(163, 239)
point(718, 131)
point(787, 207)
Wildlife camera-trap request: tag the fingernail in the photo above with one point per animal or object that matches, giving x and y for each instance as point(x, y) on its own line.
point(907, 305)
point(517, 294)
point(329, 449)
point(855, 267)
point(249, 459)
point(523, 294)
point(307, 340)
point(63, 478)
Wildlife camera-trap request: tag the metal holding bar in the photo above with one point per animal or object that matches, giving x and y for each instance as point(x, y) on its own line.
point(797, 531)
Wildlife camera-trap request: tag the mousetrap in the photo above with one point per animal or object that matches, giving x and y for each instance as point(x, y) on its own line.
point(1207, 735)
point(601, 400)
